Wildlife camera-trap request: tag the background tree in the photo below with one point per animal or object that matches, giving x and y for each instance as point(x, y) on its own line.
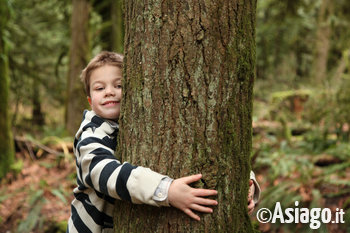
point(187, 106)
point(79, 55)
point(6, 139)
point(111, 29)
point(322, 41)
point(117, 26)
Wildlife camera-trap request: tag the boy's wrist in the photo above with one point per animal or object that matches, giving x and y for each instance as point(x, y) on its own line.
point(160, 196)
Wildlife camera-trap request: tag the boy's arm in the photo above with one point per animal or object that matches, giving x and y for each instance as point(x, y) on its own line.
point(100, 170)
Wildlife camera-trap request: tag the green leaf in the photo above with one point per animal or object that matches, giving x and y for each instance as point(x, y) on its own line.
point(33, 218)
point(60, 195)
point(36, 197)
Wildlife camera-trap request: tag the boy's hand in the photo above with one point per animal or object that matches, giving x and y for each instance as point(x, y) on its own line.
point(251, 203)
point(186, 198)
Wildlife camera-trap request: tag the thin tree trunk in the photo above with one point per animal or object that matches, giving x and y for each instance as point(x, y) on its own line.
point(322, 43)
point(117, 26)
point(341, 66)
point(37, 115)
point(112, 14)
point(6, 140)
point(187, 105)
point(79, 54)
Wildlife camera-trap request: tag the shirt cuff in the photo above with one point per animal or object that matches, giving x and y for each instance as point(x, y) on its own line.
point(257, 188)
point(160, 196)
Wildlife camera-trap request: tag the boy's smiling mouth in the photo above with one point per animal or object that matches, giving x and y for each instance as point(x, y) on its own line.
point(110, 103)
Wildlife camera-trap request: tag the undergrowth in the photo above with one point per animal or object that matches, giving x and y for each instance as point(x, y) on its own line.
point(312, 169)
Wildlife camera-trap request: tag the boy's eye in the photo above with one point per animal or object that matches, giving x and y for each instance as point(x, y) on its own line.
point(99, 88)
point(119, 86)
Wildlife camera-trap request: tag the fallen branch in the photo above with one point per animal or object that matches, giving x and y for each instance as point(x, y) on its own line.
point(32, 145)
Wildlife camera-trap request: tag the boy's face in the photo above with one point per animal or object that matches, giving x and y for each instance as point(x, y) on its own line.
point(106, 91)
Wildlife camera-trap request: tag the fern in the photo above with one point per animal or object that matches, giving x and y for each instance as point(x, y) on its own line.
point(335, 168)
point(58, 193)
point(34, 218)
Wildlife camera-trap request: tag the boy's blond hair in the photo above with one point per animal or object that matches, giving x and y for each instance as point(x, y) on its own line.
point(101, 59)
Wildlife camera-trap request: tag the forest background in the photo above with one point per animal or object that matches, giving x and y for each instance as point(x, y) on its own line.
point(301, 111)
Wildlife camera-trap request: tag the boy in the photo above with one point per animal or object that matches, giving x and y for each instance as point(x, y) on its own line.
point(101, 177)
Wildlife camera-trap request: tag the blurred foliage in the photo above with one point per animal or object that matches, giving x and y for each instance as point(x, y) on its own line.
point(302, 139)
point(286, 32)
point(39, 38)
point(39, 33)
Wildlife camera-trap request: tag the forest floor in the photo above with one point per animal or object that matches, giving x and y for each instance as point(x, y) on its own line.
point(332, 202)
point(38, 196)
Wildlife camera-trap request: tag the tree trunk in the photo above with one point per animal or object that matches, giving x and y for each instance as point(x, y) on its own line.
point(322, 43)
point(6, 140)
point(117, 26)
point(112, 36)
point(78, 58)
point(187, 106)
point(37, 114)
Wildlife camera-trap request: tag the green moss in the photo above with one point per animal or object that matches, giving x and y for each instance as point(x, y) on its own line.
point(279, 96)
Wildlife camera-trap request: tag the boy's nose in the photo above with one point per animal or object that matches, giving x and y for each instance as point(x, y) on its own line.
point(109, 91)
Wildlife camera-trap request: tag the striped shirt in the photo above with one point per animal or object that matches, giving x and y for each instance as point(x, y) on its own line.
point(101, 178)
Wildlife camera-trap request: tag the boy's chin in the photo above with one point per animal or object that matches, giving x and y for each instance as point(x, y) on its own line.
point(113, 117)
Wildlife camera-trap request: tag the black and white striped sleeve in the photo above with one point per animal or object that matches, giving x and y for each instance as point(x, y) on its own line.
point(100, 170)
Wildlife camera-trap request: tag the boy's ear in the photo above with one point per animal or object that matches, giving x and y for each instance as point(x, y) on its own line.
point(89, 99)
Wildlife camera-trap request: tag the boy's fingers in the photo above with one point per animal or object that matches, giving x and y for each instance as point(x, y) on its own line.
point(251, 206)
point(200, 208)
point(204, 201)
point(250, 211)
point(204, 192)
point(191, 179)
point(191, 214)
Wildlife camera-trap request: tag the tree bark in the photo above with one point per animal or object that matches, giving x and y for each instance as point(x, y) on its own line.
point(78, 58)
point(6, 139)
point(187, 106)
